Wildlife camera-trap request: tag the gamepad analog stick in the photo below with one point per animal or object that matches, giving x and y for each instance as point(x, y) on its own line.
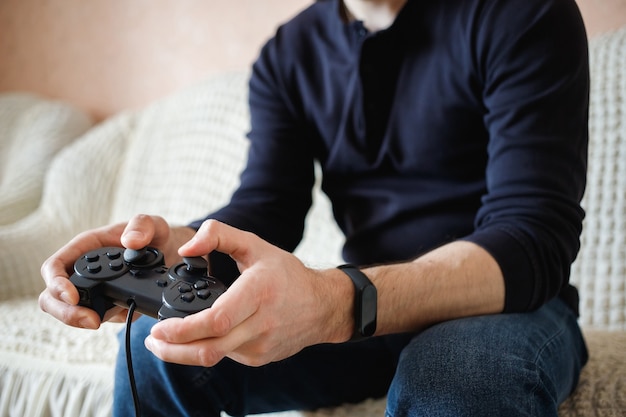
point(132, 255)
point(196, 265)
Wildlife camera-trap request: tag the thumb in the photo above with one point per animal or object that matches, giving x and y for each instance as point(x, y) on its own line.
point(143, 230)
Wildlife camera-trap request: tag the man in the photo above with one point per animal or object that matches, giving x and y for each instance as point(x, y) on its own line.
point(452, 137)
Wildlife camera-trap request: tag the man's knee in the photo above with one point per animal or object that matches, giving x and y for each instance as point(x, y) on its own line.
point(455, 370)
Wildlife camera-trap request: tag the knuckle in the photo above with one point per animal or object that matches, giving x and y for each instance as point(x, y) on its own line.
point(260, 355)
point(42, 300)
point(176, 333)
point(208, 226)
point(220, 325)
point(264, 348)
point(207, 357)
point(254, 362)
point(141, 217)
point(66, 316)
point(138, 221)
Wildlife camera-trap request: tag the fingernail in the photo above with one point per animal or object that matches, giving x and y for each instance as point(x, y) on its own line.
point(65, 297)
point(188, 243)
point(134, 235)
point(148, 343)
point(87, 323)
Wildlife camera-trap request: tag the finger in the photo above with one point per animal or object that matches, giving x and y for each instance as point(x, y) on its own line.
point(204, 352)
point(116, 314)
point(200, 353)
point(215, 235)
point(230, 310)
point(143, 230)
point(56, 277)
point(69, 314)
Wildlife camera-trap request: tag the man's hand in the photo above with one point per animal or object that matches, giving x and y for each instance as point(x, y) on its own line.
point(273, 310)
point(60, 297)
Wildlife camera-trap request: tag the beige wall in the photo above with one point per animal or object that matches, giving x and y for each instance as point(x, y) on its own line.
point(603, 15)
point(107, 55)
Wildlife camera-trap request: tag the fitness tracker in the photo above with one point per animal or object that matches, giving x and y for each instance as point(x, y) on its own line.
point(365, 302)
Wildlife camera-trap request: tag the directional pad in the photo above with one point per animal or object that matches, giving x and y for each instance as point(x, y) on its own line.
point(101, 264)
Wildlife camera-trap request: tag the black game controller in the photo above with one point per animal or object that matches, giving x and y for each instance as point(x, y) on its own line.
point(116, 276)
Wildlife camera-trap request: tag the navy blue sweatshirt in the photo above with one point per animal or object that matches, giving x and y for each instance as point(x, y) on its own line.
point(465, 119)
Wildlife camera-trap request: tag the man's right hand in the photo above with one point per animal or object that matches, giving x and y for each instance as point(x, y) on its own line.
point(60, 297)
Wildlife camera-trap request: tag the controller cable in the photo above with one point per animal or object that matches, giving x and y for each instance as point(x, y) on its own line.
point(129, 360)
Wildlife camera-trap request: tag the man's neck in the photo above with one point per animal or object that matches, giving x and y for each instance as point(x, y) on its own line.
point(375, 14)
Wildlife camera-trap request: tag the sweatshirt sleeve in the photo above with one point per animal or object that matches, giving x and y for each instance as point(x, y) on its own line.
point(536, 93)
point(275, 190)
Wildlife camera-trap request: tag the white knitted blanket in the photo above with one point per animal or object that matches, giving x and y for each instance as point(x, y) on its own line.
point(32, 131)
point(600, 270)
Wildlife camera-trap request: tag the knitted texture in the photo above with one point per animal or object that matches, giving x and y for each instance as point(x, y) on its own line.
point(185, 153)
point(32, 131)
point(600, 270)
point(49, 369)
point(78, 194)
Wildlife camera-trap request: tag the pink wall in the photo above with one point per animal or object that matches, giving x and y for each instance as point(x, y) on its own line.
point(108, 55)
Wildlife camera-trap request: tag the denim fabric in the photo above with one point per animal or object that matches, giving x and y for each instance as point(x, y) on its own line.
point(502, 365)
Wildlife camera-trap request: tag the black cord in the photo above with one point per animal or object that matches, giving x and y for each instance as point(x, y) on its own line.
point(129, 359)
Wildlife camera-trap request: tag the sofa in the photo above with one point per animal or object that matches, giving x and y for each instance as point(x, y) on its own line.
point(180, 157)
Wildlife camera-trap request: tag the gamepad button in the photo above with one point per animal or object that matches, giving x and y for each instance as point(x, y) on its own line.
point(93, 268)
point(200, 285)
point(113, 254)
point(184, 288)
point(116, 265)
point(196, 265)
point(92, 257)
point(204, 294)
point(161, 282)
point(132, 255)
point(188, 297)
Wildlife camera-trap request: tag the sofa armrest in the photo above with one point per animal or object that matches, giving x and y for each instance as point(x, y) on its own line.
point(78, 193)
point(32, 131)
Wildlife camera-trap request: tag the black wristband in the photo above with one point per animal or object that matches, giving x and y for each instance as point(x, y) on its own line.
point(365, 302)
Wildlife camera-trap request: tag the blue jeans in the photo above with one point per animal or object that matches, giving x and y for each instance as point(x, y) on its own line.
point(500, 365)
